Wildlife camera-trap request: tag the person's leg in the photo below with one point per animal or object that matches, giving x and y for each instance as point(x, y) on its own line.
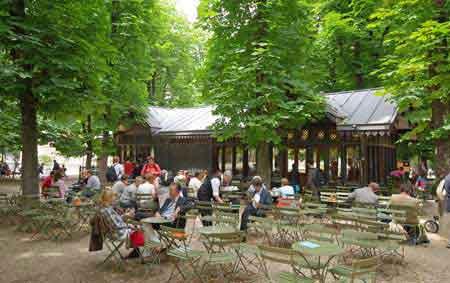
point(248, 211)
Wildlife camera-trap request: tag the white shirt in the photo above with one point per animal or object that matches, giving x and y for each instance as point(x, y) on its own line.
point(118, 188)
point(146, 188)
point(215, 184)
point(285, 191)
point(256, 198)
point(129, 193)
point(195, 184)
point(119, 170)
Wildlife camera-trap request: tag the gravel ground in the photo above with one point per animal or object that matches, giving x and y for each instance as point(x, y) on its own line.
point(29, 261)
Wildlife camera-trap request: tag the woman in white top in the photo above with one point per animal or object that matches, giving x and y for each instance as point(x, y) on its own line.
point(148, 187)
point(285, 190)
point(195, 183)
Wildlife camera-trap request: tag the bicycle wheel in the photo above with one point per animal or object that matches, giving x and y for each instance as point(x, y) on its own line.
point(431, 226)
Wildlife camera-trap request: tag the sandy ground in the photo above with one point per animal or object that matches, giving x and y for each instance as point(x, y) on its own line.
point(27, 261)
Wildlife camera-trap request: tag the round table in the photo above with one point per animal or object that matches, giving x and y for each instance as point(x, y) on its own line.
point(156, 220)
point(216, 229)
point(319, 249)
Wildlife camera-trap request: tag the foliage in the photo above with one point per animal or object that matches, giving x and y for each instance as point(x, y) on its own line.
point(417, 71)
point(255, 68)
point(179, 53)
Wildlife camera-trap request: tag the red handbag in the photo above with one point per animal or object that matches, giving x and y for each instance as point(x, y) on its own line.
point(137, 239)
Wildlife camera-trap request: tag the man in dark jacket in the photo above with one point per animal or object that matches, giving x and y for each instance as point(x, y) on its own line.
point(261, 197)
point(175, 206)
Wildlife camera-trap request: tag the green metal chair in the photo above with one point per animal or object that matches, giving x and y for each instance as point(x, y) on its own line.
point(285, 257)
point(176, 241)
point(361, 269)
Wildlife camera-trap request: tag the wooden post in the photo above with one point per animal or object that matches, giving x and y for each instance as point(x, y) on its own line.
point(364, 161)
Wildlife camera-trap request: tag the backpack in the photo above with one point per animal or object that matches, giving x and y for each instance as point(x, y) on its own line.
point(205, 192)
point(111, 174)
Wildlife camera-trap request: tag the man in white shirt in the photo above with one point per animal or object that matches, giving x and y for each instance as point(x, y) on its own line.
point(285, 190)
point(118, 167)
point(195, 183)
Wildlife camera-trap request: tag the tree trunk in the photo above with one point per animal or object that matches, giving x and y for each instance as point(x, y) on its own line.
point(263, 163)
point(440, 110)
point(89, 143)
point(30, 178)
point(28, 108)
point(359, 77)
point(102, 162)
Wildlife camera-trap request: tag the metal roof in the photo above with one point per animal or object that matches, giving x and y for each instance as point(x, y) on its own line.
point(359, 110)
point(364, 110)
point(181, 121)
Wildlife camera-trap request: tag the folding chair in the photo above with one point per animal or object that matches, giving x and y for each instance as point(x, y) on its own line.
point(362, 269)
point(176, 241)
point(151, 251)
point(223, 255)
point(115, 235)
point(285, 257)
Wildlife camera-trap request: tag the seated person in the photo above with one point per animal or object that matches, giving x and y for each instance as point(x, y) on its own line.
point(92, 186)
point(128, 197)
point(119, 186)
point(147, 205)
point(365, 195)
point(174, 206)
point(261, 197)
point(285, 190)
point(404, 201)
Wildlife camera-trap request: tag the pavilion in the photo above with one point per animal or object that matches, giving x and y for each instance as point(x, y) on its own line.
point(353, 144)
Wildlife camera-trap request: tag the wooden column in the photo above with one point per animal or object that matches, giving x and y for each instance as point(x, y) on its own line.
point(364, 161)
point(245, 169)
point(343, 155)
point(233, 160)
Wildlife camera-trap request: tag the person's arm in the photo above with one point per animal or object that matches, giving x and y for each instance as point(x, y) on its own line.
point(351, 197)
point(157, 170)
point(143, 170)
point(215, 184)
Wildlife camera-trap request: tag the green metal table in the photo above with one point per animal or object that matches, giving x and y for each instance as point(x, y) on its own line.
point(324, 253)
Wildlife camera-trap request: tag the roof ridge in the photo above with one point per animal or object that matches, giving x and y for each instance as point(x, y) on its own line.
point(181, 108)
point(351, 91)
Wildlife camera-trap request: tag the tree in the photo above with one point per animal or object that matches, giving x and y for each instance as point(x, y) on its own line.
point(348, 51)
point(416, 74)
point(48, 47)
point(179, 54)
point(255, 71)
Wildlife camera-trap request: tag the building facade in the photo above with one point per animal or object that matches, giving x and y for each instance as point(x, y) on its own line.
point(353, 144)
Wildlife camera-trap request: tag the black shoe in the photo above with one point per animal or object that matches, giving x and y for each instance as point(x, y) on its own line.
point(448, 246)
point(134, 254)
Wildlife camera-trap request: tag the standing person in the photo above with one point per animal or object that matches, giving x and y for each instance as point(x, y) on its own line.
point(446, 204)
point(313, 180)
point(137, 169)
point(58, 180)
point(295, 178)
point(129, 167)
point(261, 197)
point(41, 169)
point(118, 167)
point(209, 191)
point(151, 167)
point(56, 166)
point(195, 183)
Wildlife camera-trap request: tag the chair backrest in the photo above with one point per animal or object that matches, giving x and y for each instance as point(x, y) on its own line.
point(365, 266)
point(221, 241)
point(173, 237)
point(358, 235)
point(277, 255)
point(4, 200)
point(321, 232)
point(227, 218)
point(204, 205)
